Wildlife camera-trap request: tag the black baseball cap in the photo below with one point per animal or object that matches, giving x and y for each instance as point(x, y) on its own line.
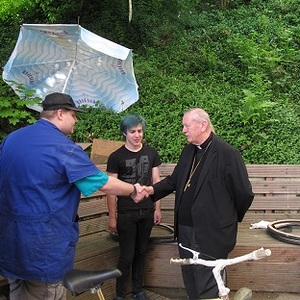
point(59, 100)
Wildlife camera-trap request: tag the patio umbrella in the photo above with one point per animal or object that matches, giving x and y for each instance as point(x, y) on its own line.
point(70, 59)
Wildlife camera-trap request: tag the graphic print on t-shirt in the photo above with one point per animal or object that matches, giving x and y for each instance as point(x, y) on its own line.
point(137, 171)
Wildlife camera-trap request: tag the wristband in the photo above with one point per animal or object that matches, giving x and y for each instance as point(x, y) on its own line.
point(134, 192)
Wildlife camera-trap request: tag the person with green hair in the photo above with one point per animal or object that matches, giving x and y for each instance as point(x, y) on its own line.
point(134, 162)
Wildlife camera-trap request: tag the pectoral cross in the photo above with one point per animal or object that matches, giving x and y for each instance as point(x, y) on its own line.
point(187, 185)
point(194, 168)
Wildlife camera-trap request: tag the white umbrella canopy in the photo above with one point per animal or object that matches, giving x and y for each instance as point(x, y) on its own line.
point(70, 59)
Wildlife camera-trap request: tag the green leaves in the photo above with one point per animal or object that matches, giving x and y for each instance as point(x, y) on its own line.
point(13, 110)
point(240, 63)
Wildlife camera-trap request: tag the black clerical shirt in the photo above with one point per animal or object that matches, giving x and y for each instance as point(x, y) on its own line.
point(184, 212)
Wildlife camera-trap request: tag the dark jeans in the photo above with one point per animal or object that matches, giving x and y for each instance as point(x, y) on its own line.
point(198, 280)
point(134, 229)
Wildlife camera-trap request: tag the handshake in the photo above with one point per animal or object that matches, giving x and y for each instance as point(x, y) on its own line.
point(140, 192)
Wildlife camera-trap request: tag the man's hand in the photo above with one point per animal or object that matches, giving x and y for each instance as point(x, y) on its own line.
point(149, 190)
point(139, 193)
point(157, 216)
point(112, 224)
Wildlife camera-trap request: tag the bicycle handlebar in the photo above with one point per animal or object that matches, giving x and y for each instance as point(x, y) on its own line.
point(261, 253)
point(255, 255)
point(219, 264)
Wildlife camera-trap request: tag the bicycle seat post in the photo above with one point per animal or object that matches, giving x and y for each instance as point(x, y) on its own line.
point(79, 281)
point(100, 294)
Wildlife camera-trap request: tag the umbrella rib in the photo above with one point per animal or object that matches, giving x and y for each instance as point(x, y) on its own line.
point(39, 63)
point(73, 63)
point(69, 74)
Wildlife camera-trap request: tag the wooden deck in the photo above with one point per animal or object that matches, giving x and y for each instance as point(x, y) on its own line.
point(89, 296)
point(151, 296)
point(277, 197)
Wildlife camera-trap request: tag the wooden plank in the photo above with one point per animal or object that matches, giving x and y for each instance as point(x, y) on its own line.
point(87, 296)
point(260, 202)
point(256, 216)
point(276, 202)
point(286, 171)
point(254, 170)
point(93, 245)
point(151, 295)
point(168, 202)
point(168, 216)
point(280, 272)
point(249, 218)
point(159, 272)
point(93, 225)
point(92, 206)
point(276, 187)
point(166, 169)
point(283, 280)
point(97, 193)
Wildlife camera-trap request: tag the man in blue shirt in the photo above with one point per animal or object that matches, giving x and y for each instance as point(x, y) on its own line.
point(42, 174)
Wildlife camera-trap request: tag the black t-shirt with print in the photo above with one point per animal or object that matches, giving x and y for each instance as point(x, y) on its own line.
point(133, 167)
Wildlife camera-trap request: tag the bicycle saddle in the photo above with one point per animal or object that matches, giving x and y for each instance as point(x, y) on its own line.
point(79, 281)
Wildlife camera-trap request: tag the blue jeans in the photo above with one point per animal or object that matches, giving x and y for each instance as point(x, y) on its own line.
point(134, 229)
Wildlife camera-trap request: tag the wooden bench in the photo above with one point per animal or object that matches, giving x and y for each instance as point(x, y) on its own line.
point(277, 196)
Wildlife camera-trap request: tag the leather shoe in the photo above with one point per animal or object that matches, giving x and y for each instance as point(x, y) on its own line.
point(140, 296)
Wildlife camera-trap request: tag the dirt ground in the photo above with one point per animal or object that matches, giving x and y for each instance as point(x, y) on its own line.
point(180, 294)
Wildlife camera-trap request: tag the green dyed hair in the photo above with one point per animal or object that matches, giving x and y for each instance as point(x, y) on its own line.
point(131, 120)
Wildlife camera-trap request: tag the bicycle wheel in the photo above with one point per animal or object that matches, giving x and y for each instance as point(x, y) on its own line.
point(162, 233)
point(281, 230)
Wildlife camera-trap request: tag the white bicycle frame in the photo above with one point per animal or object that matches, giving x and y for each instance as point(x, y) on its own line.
point(219, 264)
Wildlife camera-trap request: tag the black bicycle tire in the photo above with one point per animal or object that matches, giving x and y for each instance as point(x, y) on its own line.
point(273, 230)
point(155, 239)
point(164, 239)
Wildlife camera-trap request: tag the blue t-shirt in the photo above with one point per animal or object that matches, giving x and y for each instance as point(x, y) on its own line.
point(91, 184)
point(39, 167)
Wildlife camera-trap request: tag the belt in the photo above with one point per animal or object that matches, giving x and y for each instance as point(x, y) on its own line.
point(135, 210)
